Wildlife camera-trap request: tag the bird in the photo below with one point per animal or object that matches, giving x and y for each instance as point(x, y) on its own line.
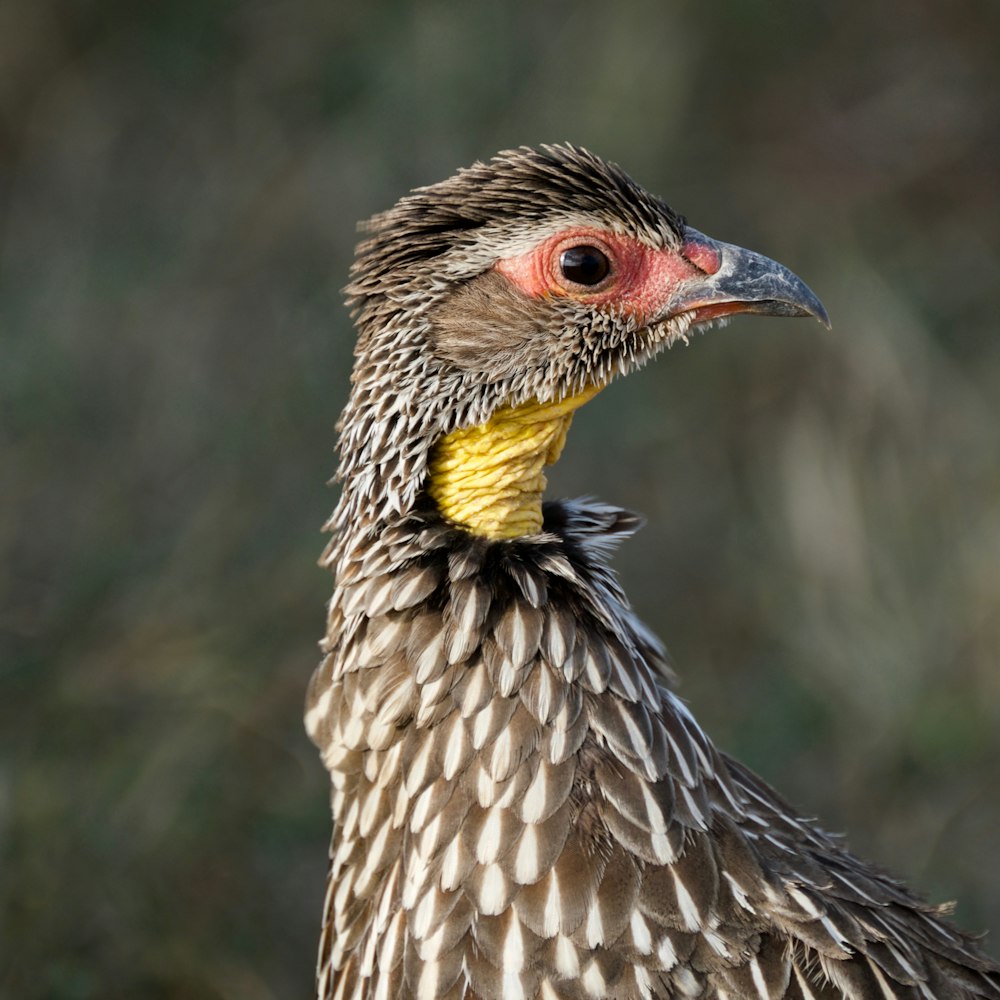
point(523, 807)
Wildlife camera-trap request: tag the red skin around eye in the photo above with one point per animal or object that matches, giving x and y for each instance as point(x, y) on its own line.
point(642, 279)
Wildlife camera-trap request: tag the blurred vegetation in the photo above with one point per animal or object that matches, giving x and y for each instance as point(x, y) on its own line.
point(179, 185)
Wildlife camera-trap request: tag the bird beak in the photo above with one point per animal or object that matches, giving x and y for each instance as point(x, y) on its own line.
point(735, 280)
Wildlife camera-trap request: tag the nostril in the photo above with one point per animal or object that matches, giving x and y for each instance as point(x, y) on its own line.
point(701, 252)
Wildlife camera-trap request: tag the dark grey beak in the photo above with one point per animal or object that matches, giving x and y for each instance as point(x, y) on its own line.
point(739, 281)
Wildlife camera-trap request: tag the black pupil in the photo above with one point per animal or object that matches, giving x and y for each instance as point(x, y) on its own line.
point(584, 265)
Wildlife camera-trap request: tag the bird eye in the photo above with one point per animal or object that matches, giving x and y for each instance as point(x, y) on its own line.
point(584, 265)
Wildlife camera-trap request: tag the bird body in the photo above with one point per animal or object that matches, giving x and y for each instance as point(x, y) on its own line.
point(522, 806)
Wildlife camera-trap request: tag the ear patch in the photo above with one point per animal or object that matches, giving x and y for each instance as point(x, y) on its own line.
point(490, 327)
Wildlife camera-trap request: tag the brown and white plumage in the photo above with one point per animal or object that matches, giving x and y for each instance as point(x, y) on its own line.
point(522, 807)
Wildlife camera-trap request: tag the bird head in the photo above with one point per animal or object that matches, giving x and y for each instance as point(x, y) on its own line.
point(521, 286)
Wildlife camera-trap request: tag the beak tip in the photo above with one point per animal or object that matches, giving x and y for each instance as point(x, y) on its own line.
point(800, 299)
point(819, 313)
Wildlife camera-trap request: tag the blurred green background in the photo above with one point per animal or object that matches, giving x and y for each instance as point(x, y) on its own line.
point(179, 186)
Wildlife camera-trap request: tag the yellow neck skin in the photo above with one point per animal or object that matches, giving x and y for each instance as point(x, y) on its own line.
point(489, 479)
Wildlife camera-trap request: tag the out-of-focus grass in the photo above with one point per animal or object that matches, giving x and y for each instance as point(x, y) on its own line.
point(180, 184)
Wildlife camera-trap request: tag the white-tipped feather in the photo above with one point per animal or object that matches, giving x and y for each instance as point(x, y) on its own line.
point(567, 958)
point(493, 893)
point(490, 843)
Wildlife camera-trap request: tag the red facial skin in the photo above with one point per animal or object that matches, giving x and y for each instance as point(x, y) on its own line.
point(641, 281)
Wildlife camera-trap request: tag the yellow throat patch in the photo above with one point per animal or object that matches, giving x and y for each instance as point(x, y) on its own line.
point(489, 479)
